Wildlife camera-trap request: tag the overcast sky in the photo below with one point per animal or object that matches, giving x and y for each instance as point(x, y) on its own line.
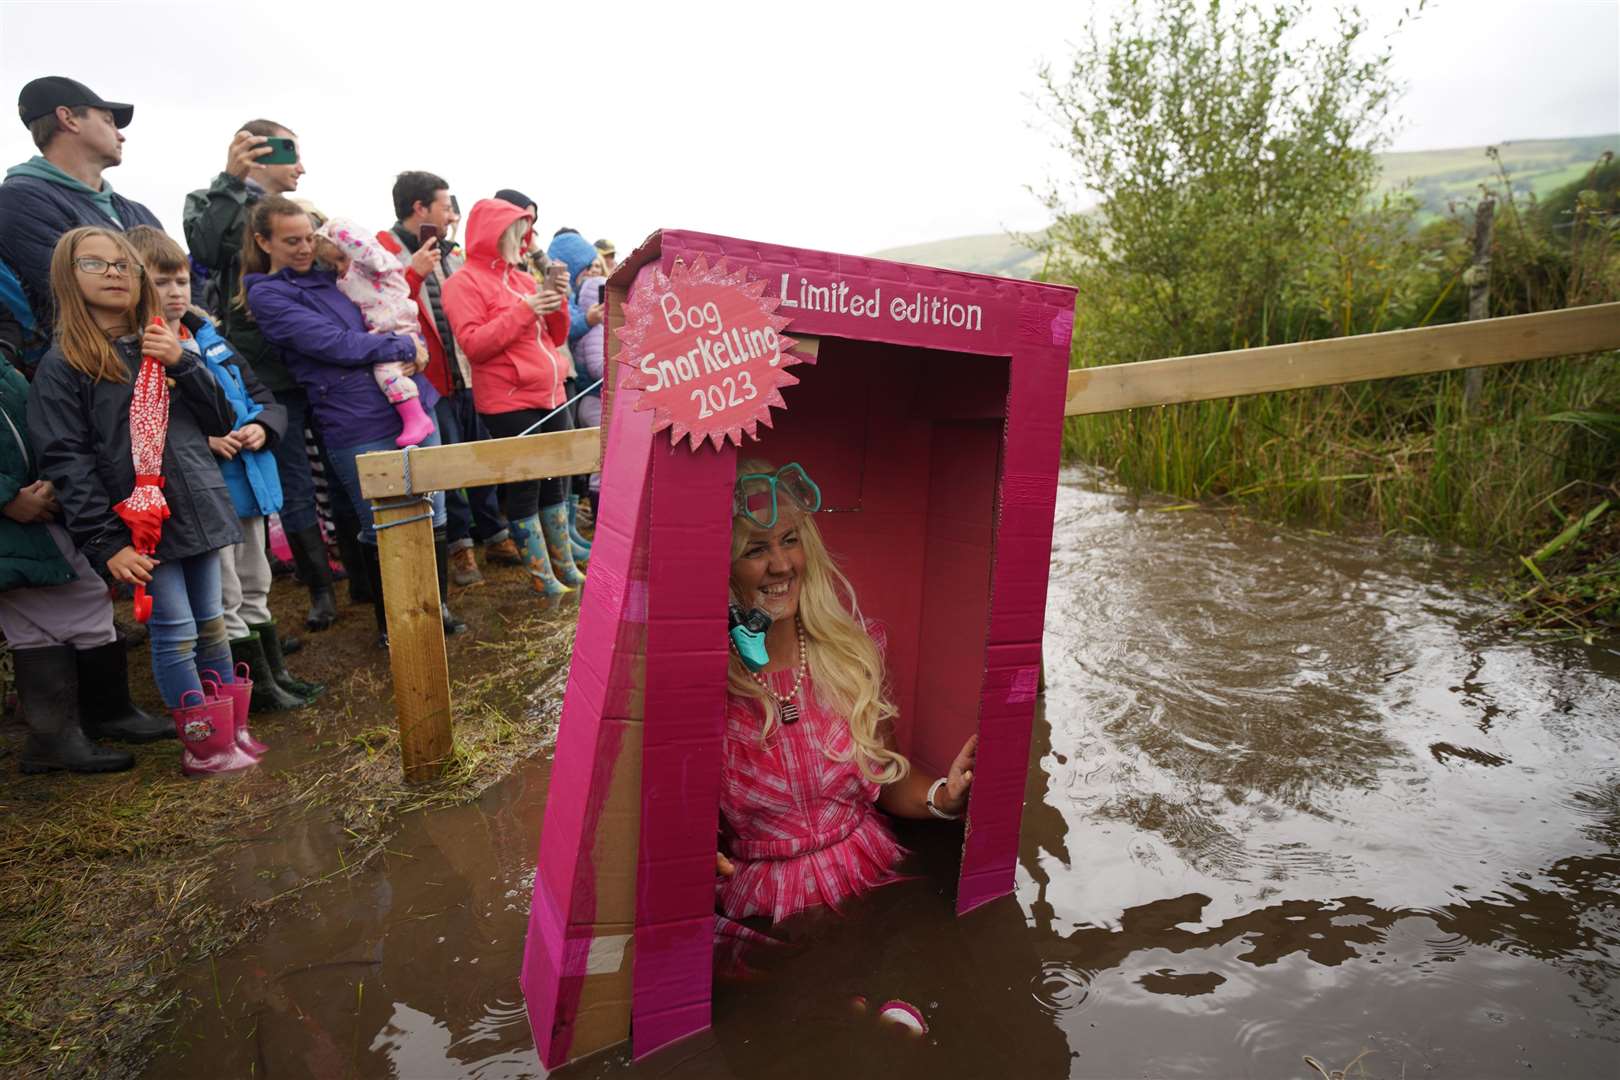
point(844, 126)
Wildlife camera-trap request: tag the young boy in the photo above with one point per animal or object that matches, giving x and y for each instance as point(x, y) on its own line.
point(249, 468)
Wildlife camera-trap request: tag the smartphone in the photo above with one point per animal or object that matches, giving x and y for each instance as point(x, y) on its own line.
point(283, 151)
point(557, 272)
point(426, 232)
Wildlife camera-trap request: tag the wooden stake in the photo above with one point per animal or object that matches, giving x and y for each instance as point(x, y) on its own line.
point(1479, 294)
point(410, 584)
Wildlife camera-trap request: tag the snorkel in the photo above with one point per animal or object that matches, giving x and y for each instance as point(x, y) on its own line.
point(748, 634)
point(755, 498)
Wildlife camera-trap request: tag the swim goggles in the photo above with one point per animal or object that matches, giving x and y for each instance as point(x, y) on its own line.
point(755, 497)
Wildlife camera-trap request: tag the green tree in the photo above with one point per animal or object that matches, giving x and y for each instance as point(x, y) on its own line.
point(1233, 148)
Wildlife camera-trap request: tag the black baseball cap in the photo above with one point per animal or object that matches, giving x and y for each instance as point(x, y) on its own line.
point(45, 95)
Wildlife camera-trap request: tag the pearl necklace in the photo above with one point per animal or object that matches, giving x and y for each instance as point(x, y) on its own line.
point(788, 706)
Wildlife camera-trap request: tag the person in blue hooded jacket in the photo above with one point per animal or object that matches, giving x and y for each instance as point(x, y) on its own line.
point(79, 136)
point(248, 464)
point(578, 254)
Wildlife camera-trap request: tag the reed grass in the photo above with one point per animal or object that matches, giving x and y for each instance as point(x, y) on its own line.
point(1405, 455)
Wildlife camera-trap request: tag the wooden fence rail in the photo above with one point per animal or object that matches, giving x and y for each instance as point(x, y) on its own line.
point(1452, 347)
point(392, 479)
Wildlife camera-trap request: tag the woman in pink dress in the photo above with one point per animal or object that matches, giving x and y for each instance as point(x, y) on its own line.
point(809, 748)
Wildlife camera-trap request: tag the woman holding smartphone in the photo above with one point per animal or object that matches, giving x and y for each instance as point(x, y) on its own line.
point(512, 332)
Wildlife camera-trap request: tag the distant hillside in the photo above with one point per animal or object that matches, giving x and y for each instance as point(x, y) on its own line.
point(1436, 178)
point(992, 253)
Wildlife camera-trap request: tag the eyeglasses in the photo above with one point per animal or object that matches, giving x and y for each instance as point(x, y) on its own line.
point(102, 267)
point(749, 497)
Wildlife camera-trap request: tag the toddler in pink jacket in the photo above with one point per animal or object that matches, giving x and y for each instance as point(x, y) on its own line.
point(371, 277)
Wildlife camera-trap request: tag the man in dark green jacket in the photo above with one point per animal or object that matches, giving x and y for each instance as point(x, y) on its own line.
point(214, 219)
point(215, 223)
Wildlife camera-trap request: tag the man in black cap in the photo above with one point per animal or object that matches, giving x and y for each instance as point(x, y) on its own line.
point(61, 188)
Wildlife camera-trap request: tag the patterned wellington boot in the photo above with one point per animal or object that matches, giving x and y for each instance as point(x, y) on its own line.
point(528, 534)
point(207, 730)
point(240, 695)
point(554, 523)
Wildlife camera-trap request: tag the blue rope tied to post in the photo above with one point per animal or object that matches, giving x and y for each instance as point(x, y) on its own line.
point(407, 500)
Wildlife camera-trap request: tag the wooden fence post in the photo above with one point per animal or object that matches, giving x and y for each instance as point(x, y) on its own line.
point(1479, 293)
point(410, 584)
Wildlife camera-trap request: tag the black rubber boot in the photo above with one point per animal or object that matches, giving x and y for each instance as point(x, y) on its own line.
point(353, 558)
point(105, 709)
point(309, 552)
point(441, 563)
point(373, 575)
point(48, 690)
point(268, 695)
point(274, 649)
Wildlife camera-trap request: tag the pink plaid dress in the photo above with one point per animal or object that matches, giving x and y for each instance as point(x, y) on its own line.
point(801, 828)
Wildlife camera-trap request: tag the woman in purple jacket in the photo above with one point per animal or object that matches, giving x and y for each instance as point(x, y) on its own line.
point(324, 343)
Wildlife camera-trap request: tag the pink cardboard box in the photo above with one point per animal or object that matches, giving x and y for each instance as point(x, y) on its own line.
point(932, 422)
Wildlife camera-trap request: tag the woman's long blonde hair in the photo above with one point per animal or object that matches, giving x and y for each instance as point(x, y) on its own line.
point(845, 666)
point(510, 244)
point(85, 345)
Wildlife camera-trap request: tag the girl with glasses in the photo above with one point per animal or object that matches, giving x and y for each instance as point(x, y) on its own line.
point(79, 417)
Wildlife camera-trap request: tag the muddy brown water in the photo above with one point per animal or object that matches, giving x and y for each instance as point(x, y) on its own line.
point(1291, 795)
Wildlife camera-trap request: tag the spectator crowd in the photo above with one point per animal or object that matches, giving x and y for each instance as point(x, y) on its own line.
point(181, 406)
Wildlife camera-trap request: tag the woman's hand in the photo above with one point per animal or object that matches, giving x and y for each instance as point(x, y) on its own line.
point(544, 302)
point(225, 447)
point(952, 798)
point(34, 504)
point(131, 567)
point(159, 341)
point(593, 315)
point(250, 436)
point(723, 867)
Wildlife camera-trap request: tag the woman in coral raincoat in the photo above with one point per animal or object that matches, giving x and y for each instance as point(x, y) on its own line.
point(512, 332)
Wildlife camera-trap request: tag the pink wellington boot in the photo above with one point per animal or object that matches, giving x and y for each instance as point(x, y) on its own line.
point(240, 694)
point(418, 425)
point(207, 732)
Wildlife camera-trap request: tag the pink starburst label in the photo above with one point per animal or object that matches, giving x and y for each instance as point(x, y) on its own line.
point(705, 347)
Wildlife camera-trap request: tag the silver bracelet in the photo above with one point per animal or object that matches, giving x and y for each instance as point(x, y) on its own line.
point(936, 811)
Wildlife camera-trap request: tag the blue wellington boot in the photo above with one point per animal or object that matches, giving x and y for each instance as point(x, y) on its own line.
point(582, 546)
point(554, 522)
point(528, 536)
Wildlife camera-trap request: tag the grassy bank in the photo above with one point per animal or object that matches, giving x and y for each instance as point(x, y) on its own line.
point(1530, 465)
point(109, 883)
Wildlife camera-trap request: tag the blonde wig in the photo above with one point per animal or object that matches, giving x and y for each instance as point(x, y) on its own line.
point(846, 668)
point(85, 345)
